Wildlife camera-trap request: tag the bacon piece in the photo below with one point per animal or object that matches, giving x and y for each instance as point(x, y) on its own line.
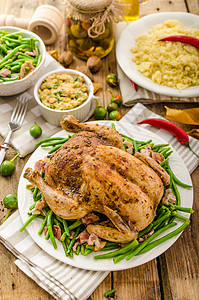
point(83, 237)
point(90, 219)
point(144, 237)
point(4, 73)
point(45, 230)
point(168, 197)
point(158, 157)
point(75, 246)
point(38, 207)
point(31, 53)
point(23, 72)
point(37, 166)
point(146, 151)
point(94, 240)
point(14, 75)
point(57, 232)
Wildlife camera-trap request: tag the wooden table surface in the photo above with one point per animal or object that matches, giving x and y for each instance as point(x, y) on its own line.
point(174, 274)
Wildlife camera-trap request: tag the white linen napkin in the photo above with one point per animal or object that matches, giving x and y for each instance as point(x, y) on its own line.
point(62, 281)
point(21, 139)
point(129, 94)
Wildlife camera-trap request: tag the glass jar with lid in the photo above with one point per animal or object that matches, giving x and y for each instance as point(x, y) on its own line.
point(90, 26)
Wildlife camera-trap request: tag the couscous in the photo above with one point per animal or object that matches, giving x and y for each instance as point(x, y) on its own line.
point(63, 91)
point(173, 64)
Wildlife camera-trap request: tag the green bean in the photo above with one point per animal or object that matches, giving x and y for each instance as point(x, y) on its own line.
point(144, 231)
point(124, 147)
point(43, 224)
point(160, 220)
point(47, 236)
point(5, 79)
point(176, 192)
point(55, 143)
point(3, 49)
point(48, 139)
point(50, 229)
point(65, 247)
point(32, 217)
point(116, 259)
point(120, 251)
point(165, 150)
point(168, 154)
point(39, 60)
point(176, 215)
point(66, 231)
point(15, 67)
point(159, 146)
point(87, 252)
point(109, 248)
point(164, 162)
point(32, 206)
point(9, 55)
point(77, 250)
point(73, 239)
point(75, 225)
point(109, 293)
point(149, 239)
point(165, 238)
point(36, 190)
point(54, 149)
point(178, 182)
point(144, 146)
point(113, 126)
point(82, 249)
point(135, 146)
point(185, 209)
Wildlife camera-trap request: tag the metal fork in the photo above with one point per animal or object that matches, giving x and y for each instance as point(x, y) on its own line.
point(15, 123)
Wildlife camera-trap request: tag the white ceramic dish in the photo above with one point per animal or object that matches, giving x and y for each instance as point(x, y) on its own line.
point(87, 262)
point(54, 116)
point(127, 41)
point(18, 86)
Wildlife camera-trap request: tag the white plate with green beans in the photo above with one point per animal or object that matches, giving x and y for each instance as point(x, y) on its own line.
point(22, 55)
point(168, 224)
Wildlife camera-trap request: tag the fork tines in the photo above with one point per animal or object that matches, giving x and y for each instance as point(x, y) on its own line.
point(19, 111)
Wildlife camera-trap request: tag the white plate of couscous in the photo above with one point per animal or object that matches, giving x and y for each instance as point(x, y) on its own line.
point(163, 67)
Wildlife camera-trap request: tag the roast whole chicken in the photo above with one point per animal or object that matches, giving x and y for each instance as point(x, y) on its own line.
point(91, 172)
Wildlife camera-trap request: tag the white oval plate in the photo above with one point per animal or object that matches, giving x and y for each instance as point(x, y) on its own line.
point(87, 262)
point(127, 41)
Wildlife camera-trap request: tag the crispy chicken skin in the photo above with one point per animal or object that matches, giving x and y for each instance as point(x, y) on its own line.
point(89, 174)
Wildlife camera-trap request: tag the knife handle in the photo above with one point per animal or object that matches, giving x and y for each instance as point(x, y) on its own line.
point(2, 154)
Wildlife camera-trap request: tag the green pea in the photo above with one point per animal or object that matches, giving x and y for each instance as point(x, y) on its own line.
point(35, 131)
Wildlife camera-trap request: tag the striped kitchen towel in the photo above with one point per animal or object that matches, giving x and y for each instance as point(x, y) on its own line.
point(21, 139)
point(62, 281)
point(139, 112)
point(130, 96)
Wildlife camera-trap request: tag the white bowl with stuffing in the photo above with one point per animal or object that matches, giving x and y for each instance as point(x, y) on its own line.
point(64, 92)
point(21, 69)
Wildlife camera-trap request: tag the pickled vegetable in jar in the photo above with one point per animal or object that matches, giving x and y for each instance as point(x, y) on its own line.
point(90, 26)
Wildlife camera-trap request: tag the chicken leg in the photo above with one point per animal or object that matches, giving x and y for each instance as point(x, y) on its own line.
point(105, 133)
point(62, 205)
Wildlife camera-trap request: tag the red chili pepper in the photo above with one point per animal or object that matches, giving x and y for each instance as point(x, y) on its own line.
point(134, 85)
point(178, 132)
point(183, 39)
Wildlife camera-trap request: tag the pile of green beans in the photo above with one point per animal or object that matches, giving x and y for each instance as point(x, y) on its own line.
point(164, 219)
point(12, 54)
